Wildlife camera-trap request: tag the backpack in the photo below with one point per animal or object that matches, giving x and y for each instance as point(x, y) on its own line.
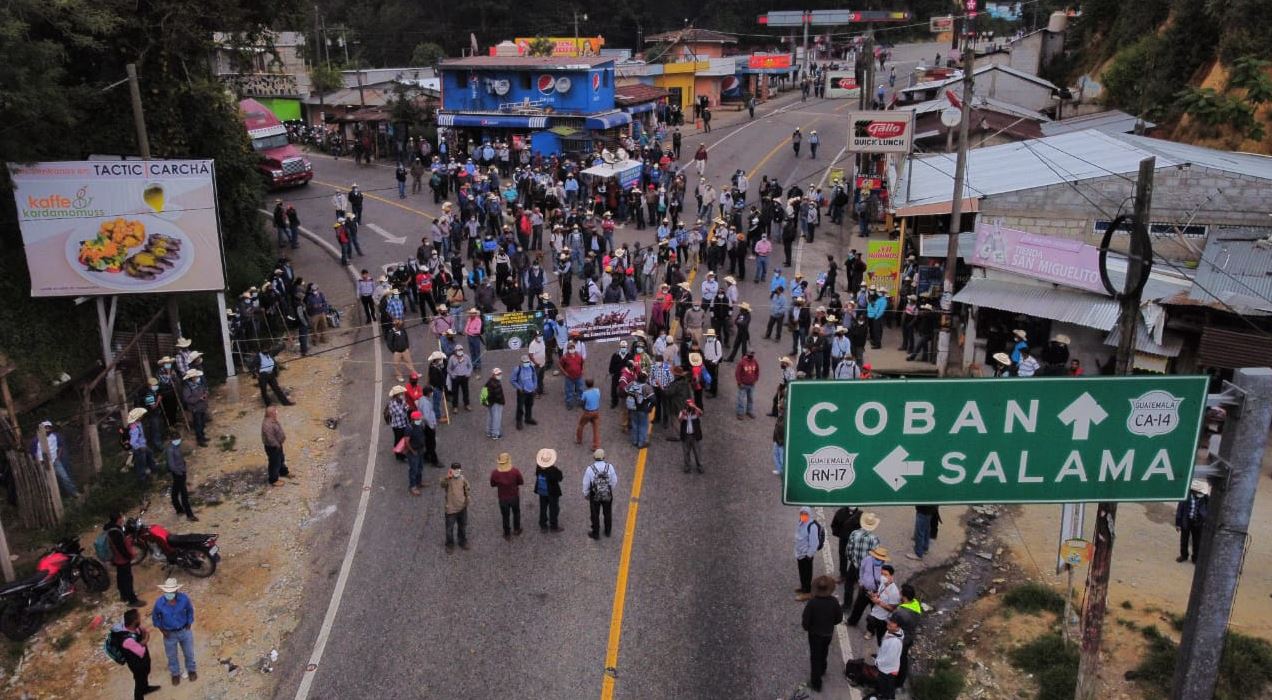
point(114, 647)
point(101, 547)
point(821, 535)
point(541, 484)
point(647, 402)
point(484, 396)
point(583, 293)
point(601, 489)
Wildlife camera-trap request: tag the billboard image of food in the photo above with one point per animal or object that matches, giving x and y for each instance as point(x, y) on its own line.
point(119, 227)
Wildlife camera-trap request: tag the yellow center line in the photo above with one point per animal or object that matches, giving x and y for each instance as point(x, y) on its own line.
point(633, 506)
point(378, 198)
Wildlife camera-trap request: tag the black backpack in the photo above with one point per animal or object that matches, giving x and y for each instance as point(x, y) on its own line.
point(821, 535)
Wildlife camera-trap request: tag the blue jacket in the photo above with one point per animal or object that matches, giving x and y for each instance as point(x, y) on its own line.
point(878, 307)
point(806, 535)
point(525, 378)
point(868, 576)
point(780, 306)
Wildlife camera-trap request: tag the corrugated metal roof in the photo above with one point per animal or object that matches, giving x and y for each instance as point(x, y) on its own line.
point(1114, 121)
point(1249, 164)
point(1236, 270)
point(1171, 344)
point(1057, 304)
point(958, 78)
point(1011, 167)
point(1231, 349)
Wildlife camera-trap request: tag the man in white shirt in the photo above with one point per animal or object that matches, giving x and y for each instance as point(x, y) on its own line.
point(888, 661)
point(1028, 366)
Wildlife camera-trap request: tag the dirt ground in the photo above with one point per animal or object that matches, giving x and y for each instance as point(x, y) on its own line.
point(244, 610)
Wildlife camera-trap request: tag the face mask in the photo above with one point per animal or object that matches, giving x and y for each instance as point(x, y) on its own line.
point(803, 517)
point(170, 596)
point(176, 443)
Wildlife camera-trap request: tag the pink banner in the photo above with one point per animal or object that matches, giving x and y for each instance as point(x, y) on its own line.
point(1059, 260)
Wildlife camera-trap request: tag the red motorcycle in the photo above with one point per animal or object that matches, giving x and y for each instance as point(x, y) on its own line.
point(196, 553)
point(28, 600)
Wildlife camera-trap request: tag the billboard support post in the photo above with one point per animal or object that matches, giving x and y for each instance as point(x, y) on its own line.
point(225, 334)
point(106, 327)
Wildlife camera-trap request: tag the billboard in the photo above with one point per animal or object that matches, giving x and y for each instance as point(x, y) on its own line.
point(1058, 260)
point(769, 60)
point(119, 227)
point(880, 131)
point(941, 25)
point(564, 45)
point(842, 84)
point(606, 321)
point(883, 265)
point(512, 330)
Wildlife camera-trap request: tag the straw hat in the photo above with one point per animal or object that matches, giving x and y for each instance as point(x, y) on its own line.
point(397, 389)
point(436, 355)
point(505, 462)
point(745, 306)
point(729, 279)
point(195, 355)
point(1002, 358)
point(546, 457)
point(869, 521)
point(695, 359)
point(1062, 339)
point(496, 372)
point(711, 332)
point(784, 360)
point(136, 414)
point(881, 553)
point(1201, 486)
point(598, 454)
point(183, 342)
point(170, 586)
point(192, 374)
point(1020, 334)
point(166, 359)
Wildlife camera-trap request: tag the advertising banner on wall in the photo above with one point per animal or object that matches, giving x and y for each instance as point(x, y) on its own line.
point(842, 84)
point(880, 131)
point(563, 45)
point(606, 322)
point(769, 60)
point(883, 265)
point(512, 330)
point(1059, 260)
point(119, 227)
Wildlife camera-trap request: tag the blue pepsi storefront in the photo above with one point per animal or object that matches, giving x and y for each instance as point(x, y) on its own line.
point(552, 104)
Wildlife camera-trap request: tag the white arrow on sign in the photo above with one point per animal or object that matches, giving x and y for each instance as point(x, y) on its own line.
point(1084, 412)
point(400, 240)
point(895, 467)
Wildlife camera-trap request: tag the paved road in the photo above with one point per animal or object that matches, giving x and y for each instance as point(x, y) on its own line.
point(708, 608)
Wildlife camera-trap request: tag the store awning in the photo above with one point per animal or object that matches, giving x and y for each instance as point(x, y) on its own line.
point(609, 120)
point(1172, 343)
point(1056, 303)
point(493, 121)
point(970, 205)
point(1231, 349)
point(640, 108)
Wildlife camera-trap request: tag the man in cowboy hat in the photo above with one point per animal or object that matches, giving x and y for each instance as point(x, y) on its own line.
point(547, 485)
point(860, 542)
point(194, 394)
point(869, 578)
point(143, 459)
point(1021, 340)
point(507, 480)
point(173, 616)
point(1055, 357)
point(267, 375)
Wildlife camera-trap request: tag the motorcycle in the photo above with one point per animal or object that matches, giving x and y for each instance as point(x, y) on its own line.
point(27, 601)
point(196, 553)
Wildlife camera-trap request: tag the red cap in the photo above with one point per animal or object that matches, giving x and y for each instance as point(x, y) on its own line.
point(415, 375)
point(416, 415)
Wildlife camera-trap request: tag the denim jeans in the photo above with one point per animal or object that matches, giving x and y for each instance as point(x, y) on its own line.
point(143, 463)
point(549, 510)
point(494, 420)
point(64, 478)
point(474, 350)
point(761, 267)
point(573, 392)
point(746, 399)
point(284, 235)
point(457, 521)
point(779, 457)
point(414, 470)
point(513, 509)
point(293, 234)
point(437, 403)
point(184, 638)
point(922, 533)
point(640, 427)
point(199, 419)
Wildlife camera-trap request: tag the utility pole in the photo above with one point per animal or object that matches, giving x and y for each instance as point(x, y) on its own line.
point(944, 357)
point(807, 21)
point(139, 117)
point(577, 48)
point(1095, 603)
point(1224, 537)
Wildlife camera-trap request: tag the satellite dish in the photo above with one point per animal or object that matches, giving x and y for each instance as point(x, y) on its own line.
point(622, 154)
point(951, 116)
point(563, 84)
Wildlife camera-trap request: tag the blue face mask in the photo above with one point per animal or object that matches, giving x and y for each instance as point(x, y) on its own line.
point(170, 596)
point(177, 442)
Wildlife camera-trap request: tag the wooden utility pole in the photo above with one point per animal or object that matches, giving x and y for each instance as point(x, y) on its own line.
point(944, 358)
point(1095, 603)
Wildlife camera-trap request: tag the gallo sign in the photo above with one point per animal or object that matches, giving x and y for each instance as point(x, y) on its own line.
point(880, 131)
point(1038, 440)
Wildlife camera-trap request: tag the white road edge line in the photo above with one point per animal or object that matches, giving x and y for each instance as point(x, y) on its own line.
point(351, 549)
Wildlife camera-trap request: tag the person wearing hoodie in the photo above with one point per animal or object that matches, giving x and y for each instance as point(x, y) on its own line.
point(888, 660)
point(807, 541)
point(821, 614)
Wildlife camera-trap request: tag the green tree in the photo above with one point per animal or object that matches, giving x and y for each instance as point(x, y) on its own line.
point(427, 53)
point(326, 78)
point(540, 46)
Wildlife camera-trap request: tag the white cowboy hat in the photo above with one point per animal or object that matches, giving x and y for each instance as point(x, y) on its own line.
point(136, 414)
point(505, 462)
point(695, 360)
point(436, 355)
point(1201, 486)
point(546, 457)
point(195, 355)
point(183, 342)
point(1002, 358)
point(192, 374)
point(1020, 334)
point(396, 390)
point(169, 586)
point(869, 521)
point(1062, 339)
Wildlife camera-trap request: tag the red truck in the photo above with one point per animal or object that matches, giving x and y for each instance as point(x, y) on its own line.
point(281, 163)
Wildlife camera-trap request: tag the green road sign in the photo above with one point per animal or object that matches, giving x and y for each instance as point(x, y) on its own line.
point(1037, 440)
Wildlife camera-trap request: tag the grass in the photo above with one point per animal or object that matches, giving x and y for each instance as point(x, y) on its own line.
point(1034, 598)
point(1053, 663)
point(1245, 669)
point(63, 642)
point(945, 682)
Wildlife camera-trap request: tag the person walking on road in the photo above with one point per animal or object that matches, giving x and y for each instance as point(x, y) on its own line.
point(547, 485)
point(599, 481)
point(273, 437)
point(572, 374)
point(742, 338)
point(507, 481)
point(415, 449)
point(821, 614)
point(400, 345)
point(122, 553)
point(691, 435)
point(457, 495)
point(458, 371)
point(493, 399)
point(267, 376)
point(813, 141)
point(525, 379)
point(796, 138)
point(808, 539)
point(1190, 517)
point(173, 616)
point(700, 159)
point(366, 296)
point(747, 375)
point(591, 414)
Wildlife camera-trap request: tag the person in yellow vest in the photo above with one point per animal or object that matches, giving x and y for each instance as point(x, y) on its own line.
point(907, 615)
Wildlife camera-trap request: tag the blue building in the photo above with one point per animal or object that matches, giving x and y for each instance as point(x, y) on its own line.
point(554, 103)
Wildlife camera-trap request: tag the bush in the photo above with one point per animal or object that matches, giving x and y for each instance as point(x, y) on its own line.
point(1033, 598)
point(1245, 669)
point(944, 683)
point(1052, 662)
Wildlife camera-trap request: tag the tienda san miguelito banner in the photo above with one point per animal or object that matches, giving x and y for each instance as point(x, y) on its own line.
point(119, 227)
point(606, 321)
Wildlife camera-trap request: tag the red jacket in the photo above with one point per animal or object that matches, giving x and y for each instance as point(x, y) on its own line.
point(572, 365)
point(747, 372)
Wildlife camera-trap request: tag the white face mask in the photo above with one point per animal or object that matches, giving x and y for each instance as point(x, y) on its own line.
point(176, 443)
point(170, 596)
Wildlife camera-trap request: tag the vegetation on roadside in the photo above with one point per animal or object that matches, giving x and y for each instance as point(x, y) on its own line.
point(1245, 669)
point(1053, 663)
point(1034, 598)
point(944, 682)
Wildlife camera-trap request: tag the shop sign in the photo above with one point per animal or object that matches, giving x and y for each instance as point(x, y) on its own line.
point(1058, 260)
point(769, 60)
point(883, 265)
point(880, 131)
